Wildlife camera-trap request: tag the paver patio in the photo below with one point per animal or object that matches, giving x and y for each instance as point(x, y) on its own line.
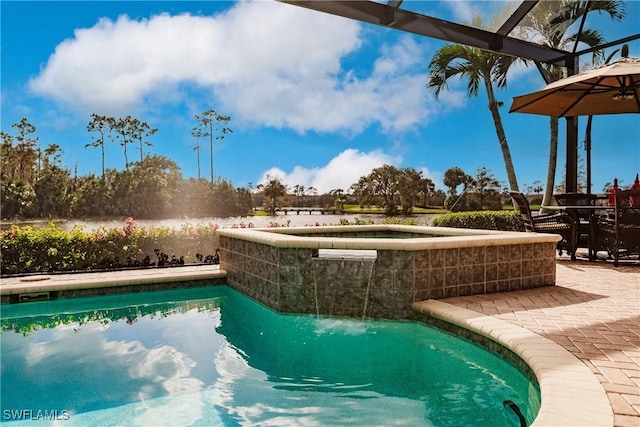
point(594, 312)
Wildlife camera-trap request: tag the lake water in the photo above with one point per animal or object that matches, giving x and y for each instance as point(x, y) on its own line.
point(293, 220)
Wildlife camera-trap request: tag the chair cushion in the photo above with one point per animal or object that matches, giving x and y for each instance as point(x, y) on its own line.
point(551, 227)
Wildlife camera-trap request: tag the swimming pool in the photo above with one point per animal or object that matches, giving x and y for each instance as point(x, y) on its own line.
point(211, 356)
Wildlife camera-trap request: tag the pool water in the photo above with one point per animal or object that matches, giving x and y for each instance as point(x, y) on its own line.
point(213, 357)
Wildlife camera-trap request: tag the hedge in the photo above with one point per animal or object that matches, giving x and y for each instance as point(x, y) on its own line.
point(484, 220)
point(51, 249)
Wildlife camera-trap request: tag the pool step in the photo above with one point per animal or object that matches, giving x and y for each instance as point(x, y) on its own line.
point(34, 296)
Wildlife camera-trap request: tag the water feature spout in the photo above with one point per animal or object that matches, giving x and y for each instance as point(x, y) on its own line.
point(315, 286)
point(372, 264)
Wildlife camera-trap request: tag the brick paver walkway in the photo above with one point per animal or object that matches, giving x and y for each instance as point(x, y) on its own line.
point(594, 312)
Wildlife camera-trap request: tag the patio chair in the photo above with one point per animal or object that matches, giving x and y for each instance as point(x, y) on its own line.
point(558, 223)
point(620, 235)
point(581, 216)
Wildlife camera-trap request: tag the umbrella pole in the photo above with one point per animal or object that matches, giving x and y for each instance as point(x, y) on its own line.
point(587, 148)
point(571, 177)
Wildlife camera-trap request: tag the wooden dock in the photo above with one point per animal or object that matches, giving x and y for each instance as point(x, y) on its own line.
point(310, 211)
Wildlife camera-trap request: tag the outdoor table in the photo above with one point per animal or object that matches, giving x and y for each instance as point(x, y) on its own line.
point(593, 210)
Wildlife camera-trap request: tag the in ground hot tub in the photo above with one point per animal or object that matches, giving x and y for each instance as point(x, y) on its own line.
point(379, 271)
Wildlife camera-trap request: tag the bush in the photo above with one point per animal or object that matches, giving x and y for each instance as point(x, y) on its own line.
point(51, 249)
point(483, 220)
point(456, 203)
point(492, 200)
point(474, 204)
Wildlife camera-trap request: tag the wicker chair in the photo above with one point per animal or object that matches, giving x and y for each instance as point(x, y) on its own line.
point(581, 216)
point(620, 235)
point(559, 223)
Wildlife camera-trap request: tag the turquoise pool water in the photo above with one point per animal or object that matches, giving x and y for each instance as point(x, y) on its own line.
point(213, 357)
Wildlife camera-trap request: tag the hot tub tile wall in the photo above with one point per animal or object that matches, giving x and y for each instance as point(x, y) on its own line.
point(289, 279)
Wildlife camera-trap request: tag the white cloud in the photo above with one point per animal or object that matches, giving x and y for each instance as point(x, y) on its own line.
point(267, 63)
point(162, 367)
point(493, 13)
point(463, 11)
point(341, 172)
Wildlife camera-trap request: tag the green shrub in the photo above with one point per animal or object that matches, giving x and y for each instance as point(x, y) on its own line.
point(392, 220)
point(400, 221)
point(356, 221)
point(483, 220)
point(51, 249)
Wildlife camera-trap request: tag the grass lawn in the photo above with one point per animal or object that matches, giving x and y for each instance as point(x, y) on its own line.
point(357, 209)
point(260, 213)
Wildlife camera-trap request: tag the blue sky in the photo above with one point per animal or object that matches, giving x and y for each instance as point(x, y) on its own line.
point(315, 99)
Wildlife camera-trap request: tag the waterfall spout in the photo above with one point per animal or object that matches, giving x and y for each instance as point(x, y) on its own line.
point(372, 264)
point(315, 287)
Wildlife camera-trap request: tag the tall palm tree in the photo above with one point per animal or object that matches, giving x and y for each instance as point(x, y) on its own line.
point(553, 23)
point(99, 124)
point(211, 122)
point(477, 66)
point(197, 134)
point(273, 189)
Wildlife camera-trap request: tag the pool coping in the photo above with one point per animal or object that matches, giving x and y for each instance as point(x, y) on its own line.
point(571, 395)
point(41, 283)
point(281, 237)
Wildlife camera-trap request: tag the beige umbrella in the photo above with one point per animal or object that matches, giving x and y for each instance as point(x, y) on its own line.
point(610, 89)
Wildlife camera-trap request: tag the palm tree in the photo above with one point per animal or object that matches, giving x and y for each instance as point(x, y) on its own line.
point(197, 134)
point(478, 66)
point(99, 124)
point(453, 177)
point(299, 190)
point(273, 189)
point(122, 128)
point(139, 132)
point(427, 187)
point(27, 154)
point(551, 23)
point(213, 122)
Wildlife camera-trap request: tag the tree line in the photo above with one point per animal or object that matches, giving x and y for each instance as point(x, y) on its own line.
point(34, 184)
point(396, 190)
point(123, 131)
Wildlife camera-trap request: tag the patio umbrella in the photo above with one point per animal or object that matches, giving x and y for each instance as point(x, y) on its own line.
point(610, 89)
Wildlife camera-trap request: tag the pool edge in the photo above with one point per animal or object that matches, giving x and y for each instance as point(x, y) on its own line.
point(570, 393)
point(99, 283)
